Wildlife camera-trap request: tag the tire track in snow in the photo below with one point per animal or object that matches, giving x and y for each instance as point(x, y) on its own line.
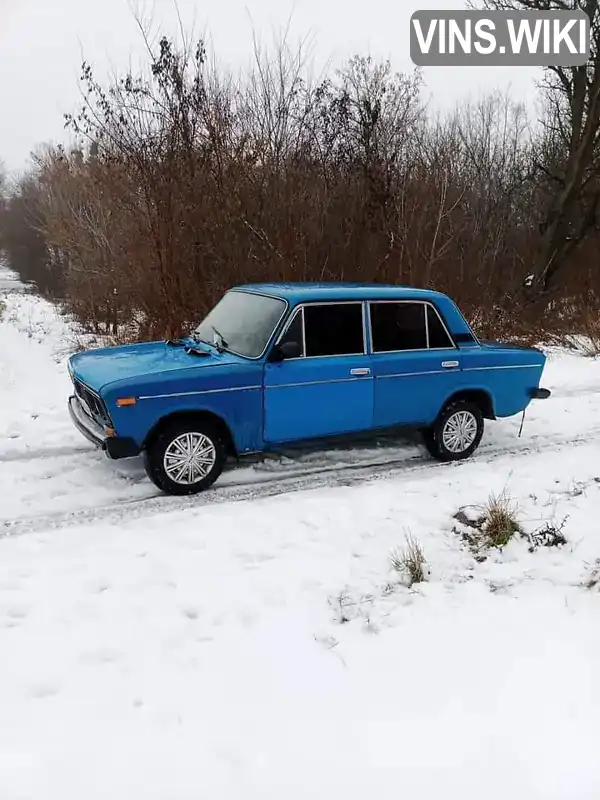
point(318, 477)
point(576, 391)
point(33, 454)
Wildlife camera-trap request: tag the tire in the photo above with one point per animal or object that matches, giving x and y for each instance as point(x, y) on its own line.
point(166, 458)
point(464, 419)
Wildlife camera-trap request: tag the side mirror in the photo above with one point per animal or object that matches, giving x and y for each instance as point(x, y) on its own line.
point(286, 350)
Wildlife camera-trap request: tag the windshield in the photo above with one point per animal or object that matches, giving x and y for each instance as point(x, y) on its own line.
point(242, 322)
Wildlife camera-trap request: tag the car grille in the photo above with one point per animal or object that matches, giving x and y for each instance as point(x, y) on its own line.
point(92, 404)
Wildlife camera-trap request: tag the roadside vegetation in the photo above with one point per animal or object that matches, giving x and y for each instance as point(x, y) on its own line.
point(183, 181)
point(409, 563)
point(492, 525)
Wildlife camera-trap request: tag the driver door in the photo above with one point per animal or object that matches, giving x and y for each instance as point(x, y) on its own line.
point(328, 389)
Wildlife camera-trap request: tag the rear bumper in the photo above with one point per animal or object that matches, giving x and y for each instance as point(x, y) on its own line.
point(114, 446)
point(540, 394)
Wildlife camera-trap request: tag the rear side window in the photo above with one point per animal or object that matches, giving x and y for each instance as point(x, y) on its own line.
point(334, 330)
point(398, 326)
point(438, 335)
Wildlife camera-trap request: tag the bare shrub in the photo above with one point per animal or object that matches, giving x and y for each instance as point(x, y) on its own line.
point(550, 534)
point(184, 182)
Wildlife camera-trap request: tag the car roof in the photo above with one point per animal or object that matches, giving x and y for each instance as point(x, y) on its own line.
point(319, 292)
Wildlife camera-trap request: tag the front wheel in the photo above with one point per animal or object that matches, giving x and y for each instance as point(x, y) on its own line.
point(456, 433)
point(185, 458)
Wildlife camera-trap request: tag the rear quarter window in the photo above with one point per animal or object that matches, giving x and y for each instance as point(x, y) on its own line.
point(438, 335)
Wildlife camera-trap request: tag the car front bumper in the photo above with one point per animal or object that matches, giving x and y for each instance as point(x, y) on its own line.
point(114, 446)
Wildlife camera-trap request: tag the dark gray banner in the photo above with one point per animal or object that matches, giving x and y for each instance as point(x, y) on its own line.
point(499, 38)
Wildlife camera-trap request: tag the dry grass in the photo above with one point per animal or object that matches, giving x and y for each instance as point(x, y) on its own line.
point(590, 344)
point(492, 525)
point(582, 334)
point(410, 562)
point(592, 580)
point(500, 520)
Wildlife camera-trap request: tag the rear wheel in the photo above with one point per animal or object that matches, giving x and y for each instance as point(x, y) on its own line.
point(456, 433)
point(185, 458)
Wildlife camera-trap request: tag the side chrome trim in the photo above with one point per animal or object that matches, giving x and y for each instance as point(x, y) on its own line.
point(506, 366)
point(318, 383)
point(414, 374)
point(203, 391)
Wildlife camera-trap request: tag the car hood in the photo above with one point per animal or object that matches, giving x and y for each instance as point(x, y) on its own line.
point(98, 368)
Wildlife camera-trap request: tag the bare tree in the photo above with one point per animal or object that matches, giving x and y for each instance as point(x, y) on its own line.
point(185, 181)
point(569, 156)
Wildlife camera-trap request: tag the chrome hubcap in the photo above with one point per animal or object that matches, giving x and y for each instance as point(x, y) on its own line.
point(189, 458)
point(459, 431)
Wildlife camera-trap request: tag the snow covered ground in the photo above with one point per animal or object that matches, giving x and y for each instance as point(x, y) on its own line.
point(253, 642)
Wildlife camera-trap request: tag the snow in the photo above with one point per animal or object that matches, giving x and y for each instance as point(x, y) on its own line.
point(165, 649)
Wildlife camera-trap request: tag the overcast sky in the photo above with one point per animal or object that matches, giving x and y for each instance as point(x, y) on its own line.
point(42, 43)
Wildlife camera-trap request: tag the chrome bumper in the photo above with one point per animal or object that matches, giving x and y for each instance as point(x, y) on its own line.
point(114, 446)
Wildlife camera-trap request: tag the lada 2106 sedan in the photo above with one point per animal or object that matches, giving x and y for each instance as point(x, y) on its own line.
point(279, 364)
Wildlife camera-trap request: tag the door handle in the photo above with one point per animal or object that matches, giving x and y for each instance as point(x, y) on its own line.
point(360, 371)
point(449, 364)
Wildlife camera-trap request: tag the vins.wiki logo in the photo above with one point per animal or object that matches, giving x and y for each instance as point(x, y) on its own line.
point(500, 38)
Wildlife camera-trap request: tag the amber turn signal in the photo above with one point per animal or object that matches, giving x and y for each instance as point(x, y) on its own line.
point(126, 401)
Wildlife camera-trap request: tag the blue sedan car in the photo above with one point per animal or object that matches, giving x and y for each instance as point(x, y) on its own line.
point(279, 364)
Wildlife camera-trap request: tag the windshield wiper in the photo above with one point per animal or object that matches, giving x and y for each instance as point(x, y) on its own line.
point(188, 347)
point(221, 344)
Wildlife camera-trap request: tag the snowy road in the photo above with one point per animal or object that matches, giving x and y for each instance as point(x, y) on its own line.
point(163, 648)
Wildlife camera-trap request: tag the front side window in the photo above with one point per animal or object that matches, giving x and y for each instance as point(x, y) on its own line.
point(243, 322)
point(334, 329)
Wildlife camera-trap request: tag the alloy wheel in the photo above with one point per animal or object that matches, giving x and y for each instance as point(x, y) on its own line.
point(189, 458)
point(460, 431)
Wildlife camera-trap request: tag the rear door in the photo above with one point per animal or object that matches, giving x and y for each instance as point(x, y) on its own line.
point(414, 362)
point(328, 390)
